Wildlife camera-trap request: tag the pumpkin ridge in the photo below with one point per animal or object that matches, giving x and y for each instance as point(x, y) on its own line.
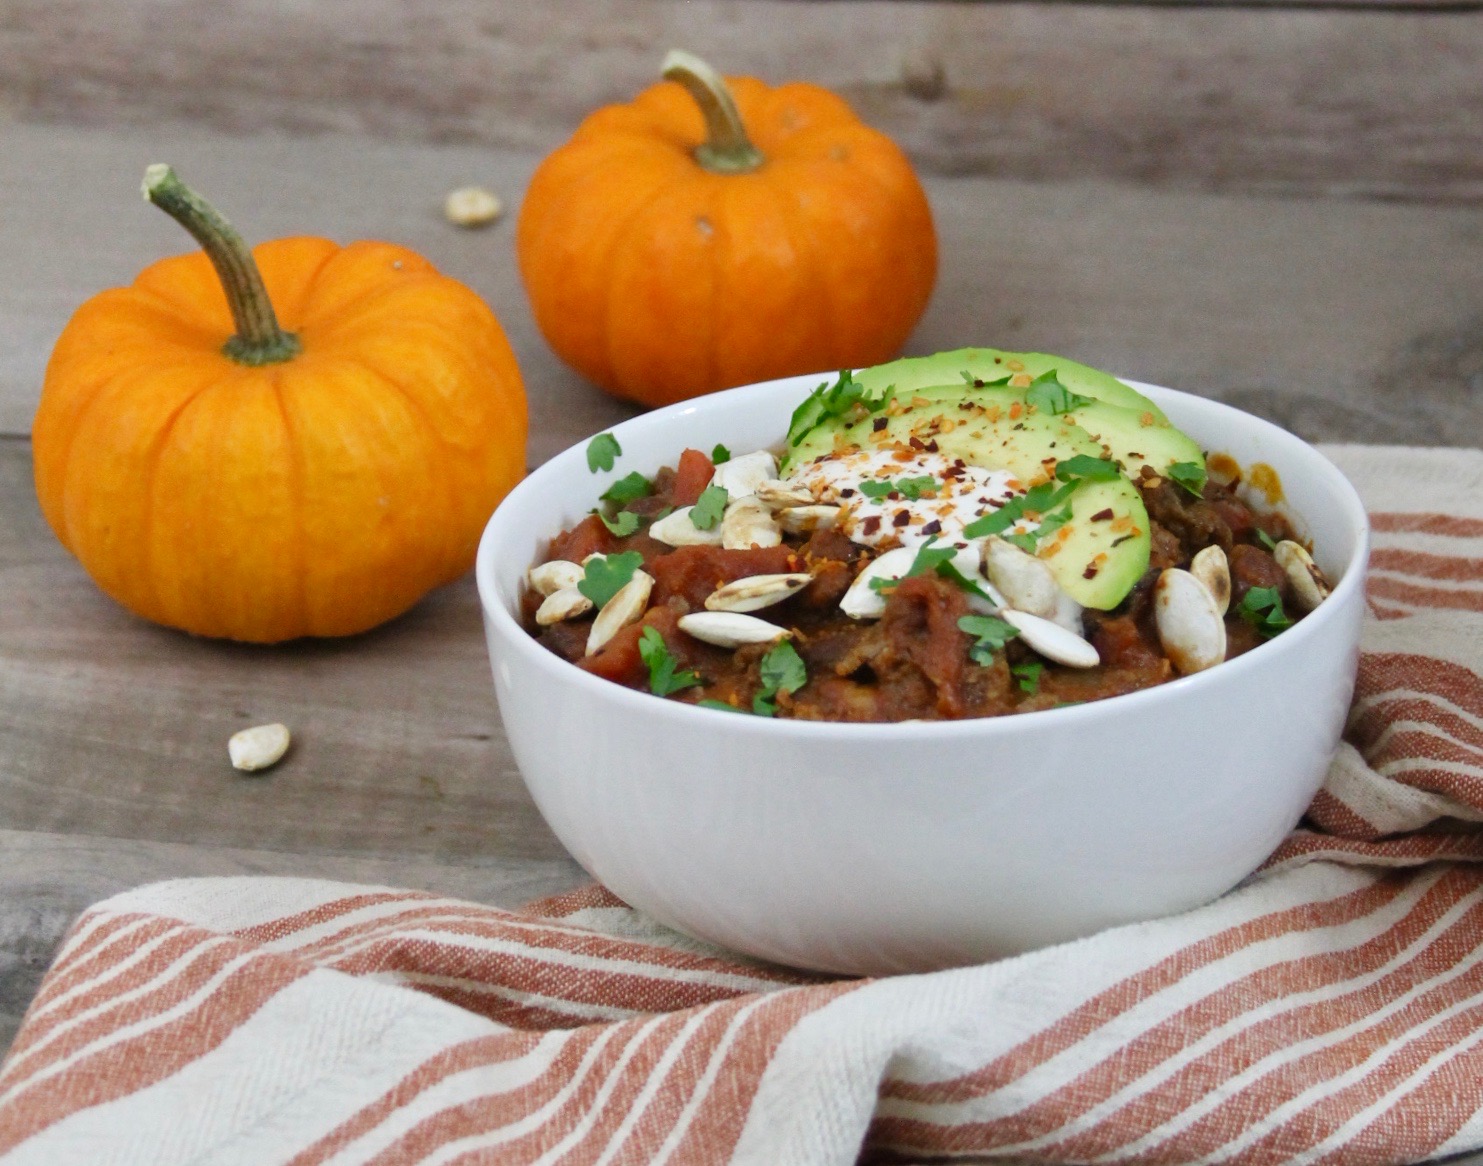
point(357, 304)
point(157, 447)
point(175, 313)
point(605, 263)
point(306, 294)
point(296, 504)
point(444, 482)
point(58, 460)
point(807, 247)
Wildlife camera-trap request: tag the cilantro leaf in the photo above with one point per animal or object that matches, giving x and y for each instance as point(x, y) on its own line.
point(1088, 469)
point(1048, 395)
point(1266, 539)
point(939, 560)
point(719, 706)
point(782, 671)
point(720, 455)
point(628, 488)
point(1040, 499)
point(911, 489)
point(709, 507)
point(1027, 542)
point(990, 635)
point(622, 524)
point(1028, 675)
point(1261, 607)
point(1190, 475)
point(663, 677)
point(606, 575)
point(601, 451)
point(834, 401)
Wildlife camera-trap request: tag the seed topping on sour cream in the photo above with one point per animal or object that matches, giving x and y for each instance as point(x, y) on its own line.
point(906, 496)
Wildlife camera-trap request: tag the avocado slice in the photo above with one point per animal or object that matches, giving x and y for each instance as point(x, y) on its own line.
point(994, 364)
point(1100, 552)
point(1136, 438)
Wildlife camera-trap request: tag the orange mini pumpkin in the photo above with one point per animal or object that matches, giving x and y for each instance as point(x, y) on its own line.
point(216, 472)
point(689, 241)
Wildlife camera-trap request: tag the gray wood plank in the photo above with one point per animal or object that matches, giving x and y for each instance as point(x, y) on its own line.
point(1296, 99)
point(1345, 320)
point(47, 879)
point(113, 727)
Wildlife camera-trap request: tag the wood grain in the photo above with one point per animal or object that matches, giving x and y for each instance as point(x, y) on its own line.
point(1344, 320)
point(1382, 103)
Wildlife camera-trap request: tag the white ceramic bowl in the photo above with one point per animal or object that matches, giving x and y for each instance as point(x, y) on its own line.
point(892, 848)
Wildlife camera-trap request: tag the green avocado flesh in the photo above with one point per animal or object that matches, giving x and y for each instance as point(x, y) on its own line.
point(1096, 560)
point(993, 364)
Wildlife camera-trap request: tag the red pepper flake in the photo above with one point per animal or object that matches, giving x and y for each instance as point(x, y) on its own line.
point(902, 518)
point(1102, 515)
point(870, 524)
point(1119, 541)
point(1090, 572)
point(916, 443)
point(933, 527)
point(931, 446)
point(879, 423)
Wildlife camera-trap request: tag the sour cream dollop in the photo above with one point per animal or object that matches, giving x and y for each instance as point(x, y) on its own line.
point(914, 510)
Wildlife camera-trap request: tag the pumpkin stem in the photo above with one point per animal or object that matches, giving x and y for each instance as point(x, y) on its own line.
point(259, 339)
point(727, 149)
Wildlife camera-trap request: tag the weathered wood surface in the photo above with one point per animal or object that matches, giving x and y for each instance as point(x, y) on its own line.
point(1315, 100)
point(1345, 320)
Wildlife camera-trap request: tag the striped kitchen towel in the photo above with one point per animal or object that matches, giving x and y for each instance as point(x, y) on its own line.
point(1330, 1010)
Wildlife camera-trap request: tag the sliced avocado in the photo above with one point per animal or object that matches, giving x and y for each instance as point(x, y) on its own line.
point(993, 364)
point(991, 427)
point(1136, 438)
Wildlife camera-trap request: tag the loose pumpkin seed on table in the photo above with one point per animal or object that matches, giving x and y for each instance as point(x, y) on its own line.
point(305, 455)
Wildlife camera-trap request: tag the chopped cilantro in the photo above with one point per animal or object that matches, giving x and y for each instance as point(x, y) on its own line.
point(1261, 607)
point(606, 575)
point(835, 401)
point(719, 706)
point(720, 455)
point(663, 677)
point(709, 507)
point(938, 559)
point(601, 451)
point(1027, 542)
point(1048, 395)
point(1028, 675)
point(628, 488)
point(979, 383)
point(622, 524)
point(1266, 539)
point(1040, 499)
point(1088, 469)
point(909, 488)
point(990, 635)
point(782, 671)
point(1190, 475)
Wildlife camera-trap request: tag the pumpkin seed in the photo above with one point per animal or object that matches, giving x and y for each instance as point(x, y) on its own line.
point(748, 523)
point(741, 476)
point(1025, 581)
point(257, 748)
point(1190, 626)
point(1051, 640)
point(1308, 584)
point(626, 607)
point(557, 575)
point(862, 601)
point(677, 530)
point(568, 603)
point(778, 494)
point(730, 629)
point(756, 592)
point(1213, 570)
point(472, 206)
point(806, 519)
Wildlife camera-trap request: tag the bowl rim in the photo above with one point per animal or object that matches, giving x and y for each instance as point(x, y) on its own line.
point(510, 632)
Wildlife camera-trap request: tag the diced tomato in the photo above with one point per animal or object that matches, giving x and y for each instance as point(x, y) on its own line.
point(691, 477)
point(692, 573)
point(588, 537)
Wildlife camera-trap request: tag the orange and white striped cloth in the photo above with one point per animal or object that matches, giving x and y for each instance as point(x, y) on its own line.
point(1328, 1011)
